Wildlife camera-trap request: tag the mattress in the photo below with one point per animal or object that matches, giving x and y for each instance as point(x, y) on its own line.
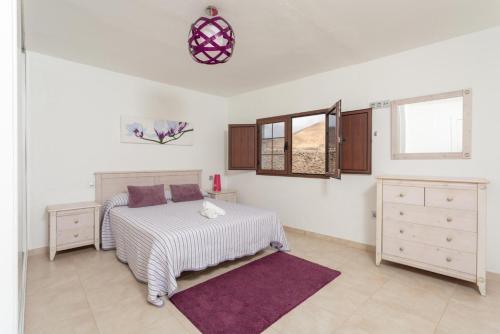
point(160, 242)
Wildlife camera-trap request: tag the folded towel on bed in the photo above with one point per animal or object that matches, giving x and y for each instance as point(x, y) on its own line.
point(211, 211)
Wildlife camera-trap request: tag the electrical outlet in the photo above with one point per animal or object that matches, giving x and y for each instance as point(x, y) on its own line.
point(380, 104)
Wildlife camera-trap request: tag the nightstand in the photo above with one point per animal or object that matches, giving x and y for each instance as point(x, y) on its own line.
point(225, 195)
point(73, 225)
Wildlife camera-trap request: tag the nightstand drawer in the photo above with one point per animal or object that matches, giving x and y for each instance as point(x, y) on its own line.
point(75, 219)
point(75, 235)
point(231, 197)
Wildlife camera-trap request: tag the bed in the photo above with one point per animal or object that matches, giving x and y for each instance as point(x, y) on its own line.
point(160, 242)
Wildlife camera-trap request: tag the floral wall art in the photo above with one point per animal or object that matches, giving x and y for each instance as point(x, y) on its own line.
point(155, 131)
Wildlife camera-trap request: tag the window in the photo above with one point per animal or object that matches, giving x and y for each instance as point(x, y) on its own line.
point(308, 144)
point(273, 146)
point(432, 127)
point(297, 145)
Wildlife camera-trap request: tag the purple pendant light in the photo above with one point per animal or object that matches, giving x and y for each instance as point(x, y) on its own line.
point(211, 39)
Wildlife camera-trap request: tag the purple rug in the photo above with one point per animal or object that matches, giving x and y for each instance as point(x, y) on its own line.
point(251, 298)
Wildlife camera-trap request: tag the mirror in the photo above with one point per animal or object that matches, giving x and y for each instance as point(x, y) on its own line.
point(432, 127)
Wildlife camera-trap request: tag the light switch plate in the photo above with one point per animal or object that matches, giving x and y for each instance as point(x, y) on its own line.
point(380, 104)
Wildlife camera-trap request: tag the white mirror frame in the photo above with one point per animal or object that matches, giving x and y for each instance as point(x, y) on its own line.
point(396, 153)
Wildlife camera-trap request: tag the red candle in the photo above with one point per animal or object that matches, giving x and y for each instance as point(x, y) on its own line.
point(217, 184)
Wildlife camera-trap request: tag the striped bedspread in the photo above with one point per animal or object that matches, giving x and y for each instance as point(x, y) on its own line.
point(160, 242)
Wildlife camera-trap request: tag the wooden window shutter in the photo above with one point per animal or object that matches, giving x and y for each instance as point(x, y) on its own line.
point(333, 147)
point(357, 142)
point(242, 146)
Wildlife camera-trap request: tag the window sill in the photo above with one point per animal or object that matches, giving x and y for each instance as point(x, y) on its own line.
point(307, 176)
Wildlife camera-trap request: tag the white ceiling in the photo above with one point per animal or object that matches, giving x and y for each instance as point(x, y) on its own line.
point(276, 40)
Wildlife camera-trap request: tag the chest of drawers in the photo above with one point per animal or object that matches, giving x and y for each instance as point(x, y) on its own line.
point(73, 225)
point(435, 224)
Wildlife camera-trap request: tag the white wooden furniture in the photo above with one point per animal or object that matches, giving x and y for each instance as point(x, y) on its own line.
point(225, 195)
point(436, 224)
point(73, 225)
point(108, 184)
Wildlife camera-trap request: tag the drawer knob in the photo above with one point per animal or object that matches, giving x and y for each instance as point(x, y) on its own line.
point(401, 231)
point(76, 235)
point(449, 219)
point(401, 213)
point(76, 221)
point(401, 249)
point(448, 259)
point(449, 239)
point(449, 199)
point(401, 195)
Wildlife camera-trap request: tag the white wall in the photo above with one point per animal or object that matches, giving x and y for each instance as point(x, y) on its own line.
point(343, 208)
point(8, 167)
point(74, 130)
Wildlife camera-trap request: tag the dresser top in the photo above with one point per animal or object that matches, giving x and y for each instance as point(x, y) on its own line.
point(434, 179)
point(73, 206)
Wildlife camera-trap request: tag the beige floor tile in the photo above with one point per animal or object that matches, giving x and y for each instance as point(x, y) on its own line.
point(43, 274)
point(85, 291)
point(375, 317)
point(469, 312)
point(365, 279)
point(190, 328)
point(427, 303)
point(271, 330)
point(468, 293)
point(127, 316)
point(337, 298)
point(167, 325)
point(464, 318)
point(306, 318)
point(57, 307)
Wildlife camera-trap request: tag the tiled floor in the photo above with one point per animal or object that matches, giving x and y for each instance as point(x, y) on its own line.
point(85, 291)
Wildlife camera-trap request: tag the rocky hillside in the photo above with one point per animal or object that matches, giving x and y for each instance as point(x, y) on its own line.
point(308, 154)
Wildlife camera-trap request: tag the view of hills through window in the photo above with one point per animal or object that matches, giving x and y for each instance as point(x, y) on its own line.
point(308, 144)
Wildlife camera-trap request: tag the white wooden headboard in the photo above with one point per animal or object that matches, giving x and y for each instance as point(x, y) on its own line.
point(108, 184)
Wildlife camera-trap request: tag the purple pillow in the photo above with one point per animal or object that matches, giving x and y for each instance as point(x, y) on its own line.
point(185, 192)
point(140, 196)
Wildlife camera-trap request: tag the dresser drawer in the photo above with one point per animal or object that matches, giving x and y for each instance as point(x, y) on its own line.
point(75, 219)
point(403, 194)
point(463, 199)
point(75, 235)
point(465, 220)
point(437, 256)
point(433, 236)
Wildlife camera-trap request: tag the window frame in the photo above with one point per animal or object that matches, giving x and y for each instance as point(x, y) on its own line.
point(288, 144)
point(396, 153)
point(290, 136)
point(336, 109)
point(270, 120)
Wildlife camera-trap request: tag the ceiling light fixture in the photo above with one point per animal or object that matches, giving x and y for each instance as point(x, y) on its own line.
point(211, 39)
